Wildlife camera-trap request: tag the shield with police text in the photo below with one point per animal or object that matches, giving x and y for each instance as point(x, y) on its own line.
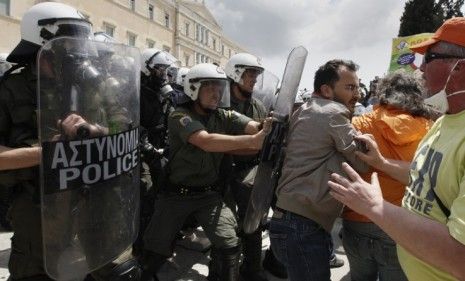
point(272, 153)
point(88, 115)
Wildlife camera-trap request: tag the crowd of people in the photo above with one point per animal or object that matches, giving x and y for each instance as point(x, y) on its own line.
point(388, 160)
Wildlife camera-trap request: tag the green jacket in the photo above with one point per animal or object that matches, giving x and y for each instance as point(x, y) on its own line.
point(190, 165)
point(255, 110)
point(18, 122)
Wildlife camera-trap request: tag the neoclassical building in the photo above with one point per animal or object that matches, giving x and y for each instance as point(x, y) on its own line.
point(185, 28)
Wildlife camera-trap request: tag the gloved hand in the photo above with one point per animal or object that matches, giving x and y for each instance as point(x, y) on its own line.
point(148, 152)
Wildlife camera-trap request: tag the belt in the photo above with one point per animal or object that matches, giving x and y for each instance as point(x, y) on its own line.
point(192, 190)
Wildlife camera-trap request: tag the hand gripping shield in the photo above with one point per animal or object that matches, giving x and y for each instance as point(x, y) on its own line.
point(89, 133)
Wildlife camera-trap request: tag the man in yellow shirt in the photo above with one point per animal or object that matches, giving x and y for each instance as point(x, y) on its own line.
point(429, 228)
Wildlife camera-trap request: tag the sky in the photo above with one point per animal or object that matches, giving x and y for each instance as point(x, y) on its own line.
point(360, 30)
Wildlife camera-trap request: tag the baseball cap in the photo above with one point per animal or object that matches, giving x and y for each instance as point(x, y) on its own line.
point(452, 31)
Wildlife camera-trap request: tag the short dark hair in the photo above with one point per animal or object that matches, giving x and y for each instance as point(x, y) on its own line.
point(328, 74)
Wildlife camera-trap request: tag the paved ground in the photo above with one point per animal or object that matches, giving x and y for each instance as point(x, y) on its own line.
point(188, 264)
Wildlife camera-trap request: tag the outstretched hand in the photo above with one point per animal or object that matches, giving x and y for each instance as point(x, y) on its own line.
point(357, 194)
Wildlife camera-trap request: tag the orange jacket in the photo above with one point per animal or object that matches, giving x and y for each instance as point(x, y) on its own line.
point(397, 134)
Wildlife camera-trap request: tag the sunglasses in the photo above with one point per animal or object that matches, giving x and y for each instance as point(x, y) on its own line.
point(433, 56)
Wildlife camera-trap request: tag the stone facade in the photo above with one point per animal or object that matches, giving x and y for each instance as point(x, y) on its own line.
point(185, 28)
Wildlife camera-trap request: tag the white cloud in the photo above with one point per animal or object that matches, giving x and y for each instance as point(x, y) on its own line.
point(360, 30)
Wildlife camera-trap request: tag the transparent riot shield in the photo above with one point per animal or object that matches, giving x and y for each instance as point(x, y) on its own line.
point(272, 153)
point(266, 88)
point(89, 132)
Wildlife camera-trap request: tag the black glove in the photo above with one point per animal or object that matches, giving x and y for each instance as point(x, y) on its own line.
point(148, 152)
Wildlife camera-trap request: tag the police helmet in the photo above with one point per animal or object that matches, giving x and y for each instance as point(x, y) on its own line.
point(200, 74)
point(152, 58)
point(239, 63)
point(45, 21)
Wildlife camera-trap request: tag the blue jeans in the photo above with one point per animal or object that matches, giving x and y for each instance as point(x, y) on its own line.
point(302, 245)
point(372, 254)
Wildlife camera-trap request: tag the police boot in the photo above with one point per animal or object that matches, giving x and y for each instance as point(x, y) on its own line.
point(151, 263)
point(273, 266)
point(230, 264)
point(129, 270)
point(251, 269)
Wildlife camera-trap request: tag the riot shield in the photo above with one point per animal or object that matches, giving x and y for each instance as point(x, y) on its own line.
point(272, 151)
point(89, 133)
point(265, 89)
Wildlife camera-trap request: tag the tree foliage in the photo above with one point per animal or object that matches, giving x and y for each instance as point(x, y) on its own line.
point(427, 15)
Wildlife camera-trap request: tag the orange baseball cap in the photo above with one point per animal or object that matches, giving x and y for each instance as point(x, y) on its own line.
point(452, 31)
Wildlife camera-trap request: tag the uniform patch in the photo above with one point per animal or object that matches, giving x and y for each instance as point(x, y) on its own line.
point(185, 121)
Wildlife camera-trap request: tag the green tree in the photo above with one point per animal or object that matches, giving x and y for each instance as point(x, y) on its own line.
point(427, 15)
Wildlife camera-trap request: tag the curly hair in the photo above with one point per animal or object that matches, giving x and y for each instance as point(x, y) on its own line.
point(404, 91)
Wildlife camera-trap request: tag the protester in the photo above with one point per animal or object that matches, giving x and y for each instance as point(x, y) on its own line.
point(397, 124)
point(429, 228)
point(320, 138)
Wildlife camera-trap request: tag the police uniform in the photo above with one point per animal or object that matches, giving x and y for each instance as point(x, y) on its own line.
point(18, 128)
point(154, 111)
point(241, 191)
point(193, 177)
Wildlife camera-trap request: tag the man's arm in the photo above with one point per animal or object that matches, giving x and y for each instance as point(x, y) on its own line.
point(18, 158)
point(424, 238)
point(252, 128)
point(397, 169)
point(250, 143)
point(225, 143)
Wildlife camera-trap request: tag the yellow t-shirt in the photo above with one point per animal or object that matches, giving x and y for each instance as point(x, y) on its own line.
point(439, 164)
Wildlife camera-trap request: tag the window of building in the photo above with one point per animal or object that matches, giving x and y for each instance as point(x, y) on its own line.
point(214, 43)
point(166, 48)
point(186, 59)
point(150, 11)
point(202, 34)
point(207, 36)
point(132, 4)
point(197, 32)
point(197, 58)
point(109, 29)
point(150, 43)
point(167, 20)
point(222, 49)
point(5, 7)
point(187, 26)
point(229, 52)
point(132, 39)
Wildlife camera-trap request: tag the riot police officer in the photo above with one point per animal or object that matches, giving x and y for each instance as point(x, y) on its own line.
point(199, 134)
point(156, 104)
point(176, 77)
point(19, 151)
point(242, 70)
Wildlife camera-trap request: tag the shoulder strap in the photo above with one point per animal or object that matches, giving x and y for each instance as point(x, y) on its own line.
point(443, 207)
